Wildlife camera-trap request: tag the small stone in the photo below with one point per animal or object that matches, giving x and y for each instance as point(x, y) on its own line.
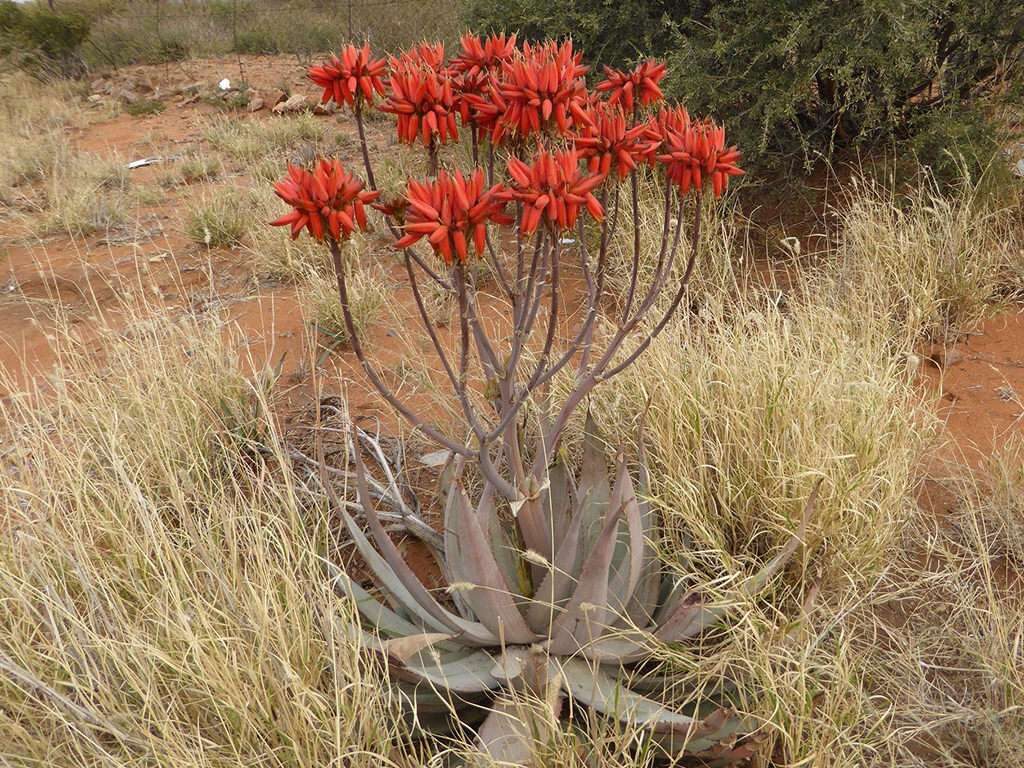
point(1018, 169)
point(944, 357)
point(98, 85)
point(296, 103)
point(255, 105)
point(325, 109)
point(128, 96)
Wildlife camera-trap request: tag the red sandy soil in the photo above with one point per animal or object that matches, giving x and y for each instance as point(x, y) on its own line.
point(980, 382)
point(980, 389)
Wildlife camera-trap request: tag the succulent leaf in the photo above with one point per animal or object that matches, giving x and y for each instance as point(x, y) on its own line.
point(628, 558)
point(585, 617)
point(460, 672)
point(589, 684)
point(556, 586)
point(557, 501)
point(377, 615)
point(490, 597)
point(594, 489)
point(472, 631)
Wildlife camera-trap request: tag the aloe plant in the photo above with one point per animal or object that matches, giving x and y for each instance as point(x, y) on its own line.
point(554, 626)
point(553, 580)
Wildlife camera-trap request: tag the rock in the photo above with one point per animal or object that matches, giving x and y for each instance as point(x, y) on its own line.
point(325, 109)
point(1018, 169)
point(255, 104)
point(95, 98)
point(296, 103)
point(944, 357)
point(98, 85)
point(128, 96)
point(143, 85)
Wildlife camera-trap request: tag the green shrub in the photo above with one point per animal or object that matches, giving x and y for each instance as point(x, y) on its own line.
point(797, 79)
point(145, 107)
point(256, 41)
point(43, 41)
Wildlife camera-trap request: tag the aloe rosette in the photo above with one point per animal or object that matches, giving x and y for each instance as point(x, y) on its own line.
point(562, 626)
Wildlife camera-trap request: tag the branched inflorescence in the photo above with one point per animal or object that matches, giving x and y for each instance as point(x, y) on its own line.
point(555, 586)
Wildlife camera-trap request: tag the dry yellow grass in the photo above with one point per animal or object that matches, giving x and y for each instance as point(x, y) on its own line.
point(164, 603)
point(934, 264)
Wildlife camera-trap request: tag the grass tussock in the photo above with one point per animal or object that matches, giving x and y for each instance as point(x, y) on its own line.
point(273, 253)
point(252, 141)
point(221, 220)
point(934, 264)
point(194, 168)
point(124, 33)
point(368, 295)
point(163, 600)
point(33, 119)
point(87, 194)
point(749, 406)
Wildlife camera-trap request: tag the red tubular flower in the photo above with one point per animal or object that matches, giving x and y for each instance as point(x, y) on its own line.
point(429, 55)
point(349, 75)
point(424, 102)
point(638, 85)
point(483, 56)
point(698, 155)
point(543, 88)
point(553, 188)
point(328, 201)
point(451, 212)
point(608, 143)
point(475, 70)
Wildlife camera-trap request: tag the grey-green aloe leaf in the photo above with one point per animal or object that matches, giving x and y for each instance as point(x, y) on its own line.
point(585, 617)
point(489, 595)
point(472, 631)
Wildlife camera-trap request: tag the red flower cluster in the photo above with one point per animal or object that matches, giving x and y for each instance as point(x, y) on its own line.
point(698, 154)
point(450, 211)
point(639, 85)
point(352, 74)
point(483, 56)
point(429, 55)
point(327, 201)
point(607, 141)
point(553, 188)
point(424, 102)
point(541, 86)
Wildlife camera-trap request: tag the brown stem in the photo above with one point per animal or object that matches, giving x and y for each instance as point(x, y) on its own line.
point(432, 153)
point(634, 192)
point(680, 292)
point(346, 310)
point(539, 371)
point(362, 143)
point(425, 318)
point(549, 438)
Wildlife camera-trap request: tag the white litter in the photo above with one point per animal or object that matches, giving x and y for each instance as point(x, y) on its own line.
point(144, 162)
point(436, 458)
point(567, 241)
point(224, 84)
